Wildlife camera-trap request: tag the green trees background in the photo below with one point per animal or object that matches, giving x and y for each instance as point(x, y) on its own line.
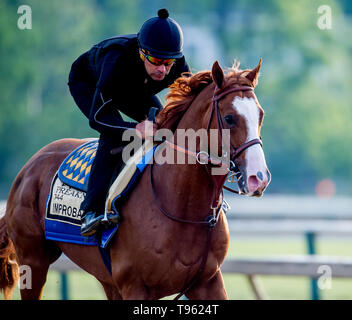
point(305, 83)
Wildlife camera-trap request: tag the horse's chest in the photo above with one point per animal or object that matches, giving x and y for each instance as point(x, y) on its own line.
point(211, 251)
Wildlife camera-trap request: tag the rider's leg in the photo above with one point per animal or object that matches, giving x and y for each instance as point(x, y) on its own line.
point(101, 173)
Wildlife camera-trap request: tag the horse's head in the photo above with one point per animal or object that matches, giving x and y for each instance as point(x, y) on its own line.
point(240, 112)
point(227, 104)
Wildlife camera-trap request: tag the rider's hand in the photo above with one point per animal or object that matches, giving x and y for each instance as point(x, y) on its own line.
point(146, 129)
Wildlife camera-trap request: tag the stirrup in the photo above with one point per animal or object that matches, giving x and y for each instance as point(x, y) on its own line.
point(110, 219)
point(91, 225)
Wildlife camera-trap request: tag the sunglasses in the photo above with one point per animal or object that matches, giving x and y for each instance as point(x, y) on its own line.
point(155, 61)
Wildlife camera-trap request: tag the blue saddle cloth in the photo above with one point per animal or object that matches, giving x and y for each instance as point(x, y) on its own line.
point(62, 219)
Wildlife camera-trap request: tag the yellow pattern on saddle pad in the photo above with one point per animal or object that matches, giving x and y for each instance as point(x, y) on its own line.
point(75, 169)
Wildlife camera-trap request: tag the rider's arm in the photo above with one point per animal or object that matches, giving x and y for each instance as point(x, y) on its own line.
point(104, 116)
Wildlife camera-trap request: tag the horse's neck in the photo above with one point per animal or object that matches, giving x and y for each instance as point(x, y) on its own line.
point(185, 189)
point(188, 186)
point(198, 112)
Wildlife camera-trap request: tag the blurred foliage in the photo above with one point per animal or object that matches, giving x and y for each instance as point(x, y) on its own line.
point(305, 84)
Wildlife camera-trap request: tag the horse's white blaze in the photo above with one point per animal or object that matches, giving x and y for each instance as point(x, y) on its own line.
point(248, 109)
point(255, 160)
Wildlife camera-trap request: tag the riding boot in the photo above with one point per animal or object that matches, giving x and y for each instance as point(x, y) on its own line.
point(102, 172)
point(90, 223)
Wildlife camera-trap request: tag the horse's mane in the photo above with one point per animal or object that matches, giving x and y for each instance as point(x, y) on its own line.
point(187, 87)
point(181, 94)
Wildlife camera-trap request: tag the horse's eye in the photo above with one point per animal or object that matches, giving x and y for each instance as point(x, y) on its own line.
point(230, 120)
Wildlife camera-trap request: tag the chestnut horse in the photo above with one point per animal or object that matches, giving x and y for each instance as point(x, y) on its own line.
point(165, 243)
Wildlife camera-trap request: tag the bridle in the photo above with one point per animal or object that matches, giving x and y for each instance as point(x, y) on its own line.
point(234, 152)
point(203, 157)
point(207, 159)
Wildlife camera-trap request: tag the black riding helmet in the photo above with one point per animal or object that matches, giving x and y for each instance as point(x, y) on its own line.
point(161, 36)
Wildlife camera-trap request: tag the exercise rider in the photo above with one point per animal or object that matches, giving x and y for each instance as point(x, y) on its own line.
point(123, 73)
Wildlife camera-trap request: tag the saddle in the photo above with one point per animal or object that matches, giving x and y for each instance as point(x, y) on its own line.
point(69, 187)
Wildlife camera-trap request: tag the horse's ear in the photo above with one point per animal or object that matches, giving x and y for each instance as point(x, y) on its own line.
point(217, 74)
point(253, 75)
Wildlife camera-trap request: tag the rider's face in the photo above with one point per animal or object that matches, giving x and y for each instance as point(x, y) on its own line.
point(157, 73)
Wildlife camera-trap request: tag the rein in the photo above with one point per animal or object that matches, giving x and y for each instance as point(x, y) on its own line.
point(211, 220)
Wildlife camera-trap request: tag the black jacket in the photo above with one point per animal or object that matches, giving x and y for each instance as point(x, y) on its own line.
point(115, 72)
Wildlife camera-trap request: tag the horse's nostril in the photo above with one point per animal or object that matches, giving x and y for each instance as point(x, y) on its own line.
point(260, 175)
point(252, 183)
point(257, 193)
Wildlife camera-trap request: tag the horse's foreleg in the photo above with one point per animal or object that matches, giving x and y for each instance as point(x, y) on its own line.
point(111, 292)
point(135, 293)
point(213, 289)
point(133, 289)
